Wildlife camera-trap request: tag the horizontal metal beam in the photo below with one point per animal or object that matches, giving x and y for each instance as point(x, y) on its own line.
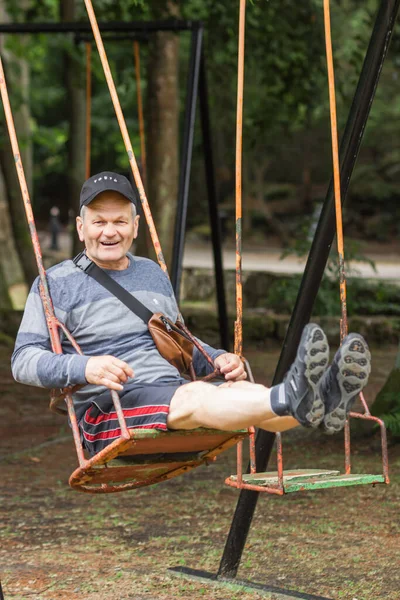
point(84, 27)
point(132, 36)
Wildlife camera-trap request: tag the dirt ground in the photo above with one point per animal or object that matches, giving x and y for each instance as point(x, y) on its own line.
point(58, 544)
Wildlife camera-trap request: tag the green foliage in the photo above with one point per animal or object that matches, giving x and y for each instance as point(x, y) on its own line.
point(387, 402)
point(364, 298)
point(392, 419)
point(286, 122)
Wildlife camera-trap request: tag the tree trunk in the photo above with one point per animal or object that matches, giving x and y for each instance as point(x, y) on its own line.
point(12, 284)
point(17, 74)
point(162, 125)
point(76, 107)
point(5, 300)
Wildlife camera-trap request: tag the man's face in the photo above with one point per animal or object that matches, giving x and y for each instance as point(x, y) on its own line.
point(108, 230)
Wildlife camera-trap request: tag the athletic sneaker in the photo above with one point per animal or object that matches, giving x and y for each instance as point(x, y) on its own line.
point(301, 383)
point(344, 380)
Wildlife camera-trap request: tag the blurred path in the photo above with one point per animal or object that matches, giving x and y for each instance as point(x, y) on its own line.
point(269, 260)
point(199, 255)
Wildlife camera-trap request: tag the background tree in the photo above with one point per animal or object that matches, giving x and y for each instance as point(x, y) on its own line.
point(75, 110)
point(17, 71)
point(163, 123)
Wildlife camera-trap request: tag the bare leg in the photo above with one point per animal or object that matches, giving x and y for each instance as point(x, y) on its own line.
point(279, 424)
point(227, 407)
point(274, 425)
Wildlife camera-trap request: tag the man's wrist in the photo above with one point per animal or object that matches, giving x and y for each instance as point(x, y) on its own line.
point(78, 369)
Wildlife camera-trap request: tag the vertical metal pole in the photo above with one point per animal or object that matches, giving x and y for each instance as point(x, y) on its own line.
point(1, 593)
point(238, 182)
point(143, 160)
point(186, 159)
point(336, 169)
point(358, 116)
point(88, 47)
point(213, 206)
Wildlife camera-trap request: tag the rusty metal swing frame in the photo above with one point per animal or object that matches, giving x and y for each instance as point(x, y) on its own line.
point(350, 144)
point(281, 482)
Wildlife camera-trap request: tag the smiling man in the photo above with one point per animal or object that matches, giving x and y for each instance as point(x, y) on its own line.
point(120, 354)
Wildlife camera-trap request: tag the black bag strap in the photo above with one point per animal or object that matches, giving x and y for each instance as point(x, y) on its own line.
point(90, 268)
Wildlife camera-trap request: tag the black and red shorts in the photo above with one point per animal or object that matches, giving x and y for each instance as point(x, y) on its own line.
point(145, 406)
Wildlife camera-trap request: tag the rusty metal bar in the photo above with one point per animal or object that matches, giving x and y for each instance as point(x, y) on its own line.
point(347, 448)
point(88, 49)
point(238, 178)
point(125, 135)
point(70, 338)
point(255, 488)
point(385, 457)
point(136, 54)
point(239, 463)
point(75, 430)
point(279, 459)
point(364, 404)
point(336, 169)
point(121, 419)
point(252, 448)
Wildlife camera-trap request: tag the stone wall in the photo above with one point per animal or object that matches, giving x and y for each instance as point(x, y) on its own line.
point(260, 324)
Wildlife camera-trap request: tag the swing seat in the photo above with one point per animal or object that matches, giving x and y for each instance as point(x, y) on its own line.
point(149, 457)
point(282, 481)
point(299, 480)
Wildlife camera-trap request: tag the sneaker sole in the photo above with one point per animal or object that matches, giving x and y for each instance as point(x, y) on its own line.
point(317, 352)
point(354, 369)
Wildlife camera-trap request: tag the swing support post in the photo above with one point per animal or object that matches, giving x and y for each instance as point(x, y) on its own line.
point(186, 158)
point(197, 89)
point(317, 259)
point(216, 237)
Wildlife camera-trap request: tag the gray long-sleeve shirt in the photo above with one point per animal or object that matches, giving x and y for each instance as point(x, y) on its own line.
point(101, 324)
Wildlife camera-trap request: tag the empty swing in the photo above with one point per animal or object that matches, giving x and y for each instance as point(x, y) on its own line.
point(281, 482)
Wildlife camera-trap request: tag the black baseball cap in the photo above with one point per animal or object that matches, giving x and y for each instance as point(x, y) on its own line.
point(104, 182)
